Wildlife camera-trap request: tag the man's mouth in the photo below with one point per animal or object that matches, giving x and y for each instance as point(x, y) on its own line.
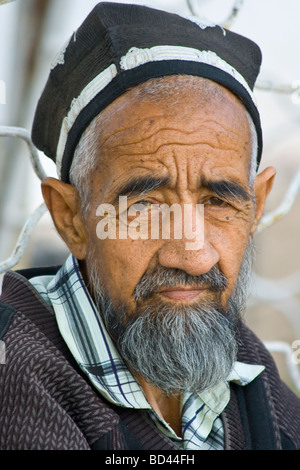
point(181, 294)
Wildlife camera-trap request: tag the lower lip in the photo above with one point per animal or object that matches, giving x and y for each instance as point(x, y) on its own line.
point(181, 295)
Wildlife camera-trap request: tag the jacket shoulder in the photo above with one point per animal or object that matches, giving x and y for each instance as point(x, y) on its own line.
point(283, 402)
point(45, 400)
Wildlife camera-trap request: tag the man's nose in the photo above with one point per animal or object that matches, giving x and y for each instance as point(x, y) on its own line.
point(192, 252)
point(173, 254)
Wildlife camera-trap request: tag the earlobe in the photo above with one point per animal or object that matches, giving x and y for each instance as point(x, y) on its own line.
point(262, 187)
point(63, 203)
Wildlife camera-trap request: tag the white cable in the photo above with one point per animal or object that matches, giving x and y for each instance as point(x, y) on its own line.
point(23, 239)
point(284, 207)
point(7, 131)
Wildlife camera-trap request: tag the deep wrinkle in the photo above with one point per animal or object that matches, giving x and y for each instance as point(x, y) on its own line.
point(216, 141)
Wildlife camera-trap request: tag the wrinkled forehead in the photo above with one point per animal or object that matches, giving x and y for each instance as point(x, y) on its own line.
point(196, 120)
point(179, 99)
point(165, 96)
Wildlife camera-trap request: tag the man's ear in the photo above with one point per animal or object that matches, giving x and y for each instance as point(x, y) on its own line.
point(262, 187)
point(63, 203)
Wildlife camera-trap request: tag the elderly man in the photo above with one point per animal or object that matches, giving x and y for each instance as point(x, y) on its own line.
point(138, 342)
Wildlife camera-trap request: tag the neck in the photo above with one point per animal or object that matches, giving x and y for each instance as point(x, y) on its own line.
point(167, 407)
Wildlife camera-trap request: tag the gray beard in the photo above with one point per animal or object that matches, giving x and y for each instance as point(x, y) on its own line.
point(177, 347)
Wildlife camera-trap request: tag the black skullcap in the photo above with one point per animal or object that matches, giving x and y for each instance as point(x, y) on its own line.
point(119, 46)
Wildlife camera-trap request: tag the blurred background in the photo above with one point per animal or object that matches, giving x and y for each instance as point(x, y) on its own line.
point(31, 34)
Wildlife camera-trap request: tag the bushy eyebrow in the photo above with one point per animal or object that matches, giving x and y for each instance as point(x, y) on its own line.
point(139, 186)
point(226, 189)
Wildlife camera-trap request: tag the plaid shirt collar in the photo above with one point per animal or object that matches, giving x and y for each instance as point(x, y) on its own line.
point(83, 331)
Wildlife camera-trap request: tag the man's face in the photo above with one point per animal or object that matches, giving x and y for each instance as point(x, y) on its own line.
point(173, 311)
point(186, 150)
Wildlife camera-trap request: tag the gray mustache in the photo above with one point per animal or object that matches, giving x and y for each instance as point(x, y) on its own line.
point(161, 277)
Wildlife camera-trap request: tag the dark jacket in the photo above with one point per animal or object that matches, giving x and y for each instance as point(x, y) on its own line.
point(47, 403)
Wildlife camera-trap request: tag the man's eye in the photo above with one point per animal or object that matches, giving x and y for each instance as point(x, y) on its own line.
point(215, 201)
point(141, 209)
point(140, 206)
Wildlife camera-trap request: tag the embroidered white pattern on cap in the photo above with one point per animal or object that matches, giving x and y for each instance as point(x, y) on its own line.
point(79, 103)
point(204, 23)
point(60, 57)
point(136, 57)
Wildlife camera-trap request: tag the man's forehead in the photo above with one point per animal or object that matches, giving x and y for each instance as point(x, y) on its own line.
point(142, 109)
point(134, 177)
point(169, 90)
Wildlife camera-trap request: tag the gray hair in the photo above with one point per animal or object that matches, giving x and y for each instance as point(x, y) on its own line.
point(177, 348)
point(86, 154)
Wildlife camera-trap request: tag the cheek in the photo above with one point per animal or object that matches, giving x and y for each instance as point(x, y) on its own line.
point(231, 242)
point(121, 264)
